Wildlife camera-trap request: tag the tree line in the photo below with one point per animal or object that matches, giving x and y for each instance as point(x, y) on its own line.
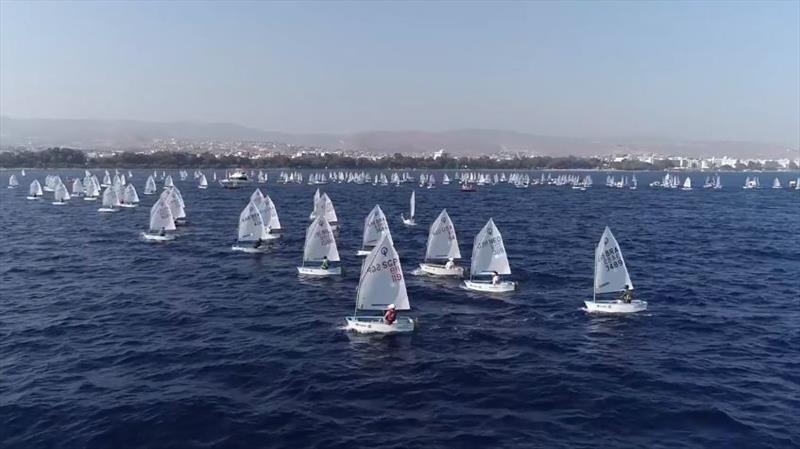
point(72, 158)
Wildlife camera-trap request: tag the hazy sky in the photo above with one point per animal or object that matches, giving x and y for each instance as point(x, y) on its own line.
point(679, 69)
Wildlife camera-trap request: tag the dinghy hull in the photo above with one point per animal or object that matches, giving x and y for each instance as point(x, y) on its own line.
point(408, 222)
point(441, 270)
point(362, 253)
point(250, 249)
point(487, 286)
point(34, 197)
point(128, 205)
point(90, 198)
point(106, 210)
point(317, 271)
point(615, 306)
point(58, 203)
point(375, 325)
point(157, 238)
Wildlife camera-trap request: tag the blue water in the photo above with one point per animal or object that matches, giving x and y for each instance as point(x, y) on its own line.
point(107, 341)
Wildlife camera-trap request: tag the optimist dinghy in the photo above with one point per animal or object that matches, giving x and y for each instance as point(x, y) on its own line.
point(110, 201)
point(442, 246)
point(375, 225)
point(489, 257)
point(161, 221)
point(411, 220)
point(252, 229)
point(61, 195)
point(611, 276)
point(35, 191)
point(381, 284)
point(320, 243)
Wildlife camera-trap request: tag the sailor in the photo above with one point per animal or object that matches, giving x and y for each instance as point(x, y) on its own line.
point(495, 278)
point(450, 264)
point(162, 232)
point(390, 316)
point(627, 294)
point(258, 244)
point(324, 265)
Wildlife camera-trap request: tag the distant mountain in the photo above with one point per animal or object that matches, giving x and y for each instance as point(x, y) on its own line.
point(132, 134)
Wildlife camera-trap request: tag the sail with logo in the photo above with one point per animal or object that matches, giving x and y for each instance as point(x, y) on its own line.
point(375, 226)
point(611, 276)
point(162, 223)
point(489, 258)
point(381, 287)
point(253, 231)
point(442, 248)
point(320, 247)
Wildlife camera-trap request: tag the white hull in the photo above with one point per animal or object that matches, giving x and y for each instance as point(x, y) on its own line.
point(440, 270)
point(487, 286)
point(362, 253)
point(202, 187)
point(250, 249)
point(157, 238)
point(90, 198)
point(317, 271)
point(12, 187)
point(58, 203)
point(615, 306)
point(375, 325)
point(128, 205)
point(409, 222)
point(34, 197)
point(106, 210)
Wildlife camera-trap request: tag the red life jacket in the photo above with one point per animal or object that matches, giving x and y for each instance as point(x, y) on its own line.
point(390, 316)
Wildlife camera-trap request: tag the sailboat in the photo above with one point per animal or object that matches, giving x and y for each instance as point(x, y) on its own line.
point(110, 201)
point(77, 187)
point(129, 197)
point(411, 220)
point(687, 184)
point(324, 206)
point(168, 182)
point(12, 182)
point(317, 196)
point(611, 276)
point(161, 221)
point(442, 246)
point(91, 188)
point(489, 257)
point(203, 184)
point(172, 196)
point(150, 186)
point(35, 190)
point(381, 284)
point(320, 243)
point(375, 225)
point(776, 184)
point(61, 195)
point(252, 228)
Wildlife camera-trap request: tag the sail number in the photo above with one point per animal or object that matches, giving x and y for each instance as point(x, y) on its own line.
point(392, 265)
point(611, 259)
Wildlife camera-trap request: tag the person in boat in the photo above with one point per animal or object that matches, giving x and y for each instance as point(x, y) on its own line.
point(450, 264)
point(495, 278)
point(258, 243)
point(390, 316)
point(325, 264)
point(162, 232)
point(627, 294)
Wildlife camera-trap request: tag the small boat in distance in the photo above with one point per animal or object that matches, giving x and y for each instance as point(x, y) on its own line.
point(12, 182)
point(110, 201)
point(381, 284)
point(375, 225)
point(467, 187)
point(413, 207)
point(35, 191)
point(235, 180)
point(611, 276)
point(776, 184)
point(203, 184)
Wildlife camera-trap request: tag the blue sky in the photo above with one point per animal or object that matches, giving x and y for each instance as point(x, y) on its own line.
point(687, 70)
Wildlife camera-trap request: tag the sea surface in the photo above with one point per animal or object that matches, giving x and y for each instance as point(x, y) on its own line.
point(108, 341)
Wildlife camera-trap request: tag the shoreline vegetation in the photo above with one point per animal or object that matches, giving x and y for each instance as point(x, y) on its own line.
point(72, 158)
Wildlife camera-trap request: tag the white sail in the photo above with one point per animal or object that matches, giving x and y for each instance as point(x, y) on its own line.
point(150, 186)
point(382, 281)
point(610, 272)
point(251, 224)
point(256, 195)
point(12, 181)
point(442, 241)
point(61, 193)
point(320, 242)
point(203, 180)
point(413, 204)
point(168, 181)
point(489, 252)
point(175, 202)
point(375, 226)
point(92, 187)
point(687, 184)
point(161, 217)
point(77, 187)
point(110, 198)
point(36, 188)
point(273, 222)
point(324, 207)
point(776, 184)
point(129, 195)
